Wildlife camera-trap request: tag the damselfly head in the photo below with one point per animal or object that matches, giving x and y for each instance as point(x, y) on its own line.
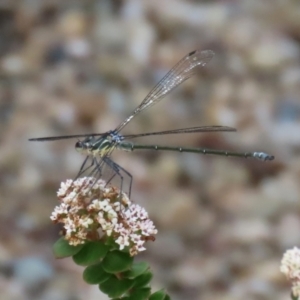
point(79, 146)
point(83, 146)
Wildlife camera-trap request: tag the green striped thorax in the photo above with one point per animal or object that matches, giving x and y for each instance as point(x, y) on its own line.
point(102, 146)
point(96, 146)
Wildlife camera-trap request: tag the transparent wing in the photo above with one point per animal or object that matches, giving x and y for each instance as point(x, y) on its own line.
point(215, 128)
point(183, 70)
point(64, 137)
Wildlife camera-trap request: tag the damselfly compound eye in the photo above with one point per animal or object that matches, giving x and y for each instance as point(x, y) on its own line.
point(79, 146)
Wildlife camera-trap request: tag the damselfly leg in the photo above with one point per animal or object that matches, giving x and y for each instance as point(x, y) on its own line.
point(117, 168)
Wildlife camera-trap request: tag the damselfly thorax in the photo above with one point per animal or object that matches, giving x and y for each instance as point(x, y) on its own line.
point(102, 146)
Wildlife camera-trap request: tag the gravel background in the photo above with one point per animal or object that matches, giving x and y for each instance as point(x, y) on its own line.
point(70, 67)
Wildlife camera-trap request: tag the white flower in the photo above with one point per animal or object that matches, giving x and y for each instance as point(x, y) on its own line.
point(85, 202)
point(96, 205)
point(104, 205)
point(86, 222)
point(70, 226)
point(111, 214)
point(136, 238)
point(290, 266)
point(123, 241)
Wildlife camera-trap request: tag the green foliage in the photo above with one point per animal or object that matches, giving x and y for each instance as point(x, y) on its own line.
point(95, 274)
point(115, 287)
point(113, 270)
point(143, 280)
point(90, 253)
point(136, 270)
point(293, 297)
point(140, 294)
point(117, 261)
point(159, 295)
point(62, 249)
point(110, 241)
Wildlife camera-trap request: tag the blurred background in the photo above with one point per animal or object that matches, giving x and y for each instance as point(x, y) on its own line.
point(71, 67)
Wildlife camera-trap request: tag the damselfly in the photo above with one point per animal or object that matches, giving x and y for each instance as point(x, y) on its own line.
point(98, 146)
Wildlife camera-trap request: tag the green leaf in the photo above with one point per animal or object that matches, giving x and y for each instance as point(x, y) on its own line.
point(95, 274)
point(110, 241)
point(61, 248)
point(159, 295)
point(90, 253)
point(137, 269)
point(293, 297)
point(114, 287)
point(116, 261)
point(143, 280)
point(140, 294)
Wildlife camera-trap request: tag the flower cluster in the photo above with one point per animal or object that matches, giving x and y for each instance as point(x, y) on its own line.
point(290, 266)
point(90, 210)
